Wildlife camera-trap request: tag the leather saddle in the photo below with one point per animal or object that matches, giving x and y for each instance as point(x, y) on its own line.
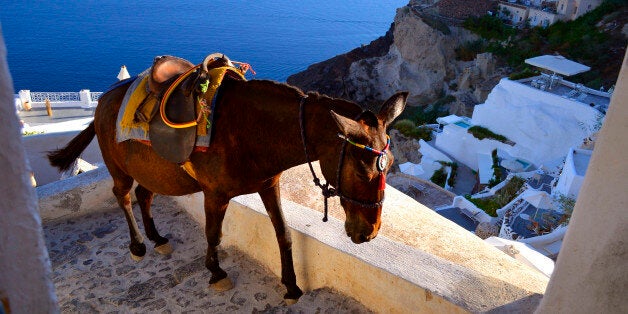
point(173, 144)
point(178, 83)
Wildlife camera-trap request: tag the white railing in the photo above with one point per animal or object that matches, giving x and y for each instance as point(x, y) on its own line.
point(94, 96)
point(55, 96)
point(84, 99)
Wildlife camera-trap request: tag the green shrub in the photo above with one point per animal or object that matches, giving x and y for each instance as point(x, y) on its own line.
point(409, 129)
point(439, 177)
point(506, 194)
point(489, 27)
point(527, 72)
point(428, 114)
point(468, 50)
point(582, 40)
point(481, 133)
point(452, 177)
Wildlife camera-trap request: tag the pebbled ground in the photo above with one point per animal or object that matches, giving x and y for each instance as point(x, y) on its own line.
point(94, 273)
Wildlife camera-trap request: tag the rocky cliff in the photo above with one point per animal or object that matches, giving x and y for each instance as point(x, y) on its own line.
point(417, 54)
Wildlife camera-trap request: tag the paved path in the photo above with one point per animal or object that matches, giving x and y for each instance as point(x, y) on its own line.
point(93, 271)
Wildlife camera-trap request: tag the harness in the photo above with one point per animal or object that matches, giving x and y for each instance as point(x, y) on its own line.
point(329, 191)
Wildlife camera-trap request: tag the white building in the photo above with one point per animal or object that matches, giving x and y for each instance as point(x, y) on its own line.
point(543, 117)
point(572, 176)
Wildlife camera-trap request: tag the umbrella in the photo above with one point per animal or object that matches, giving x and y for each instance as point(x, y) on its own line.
point(124, 73)
point(558, 64)
point(411, 169)
point(539, 200)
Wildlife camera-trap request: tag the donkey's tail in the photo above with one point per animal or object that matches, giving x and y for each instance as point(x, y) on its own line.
point(64, 158)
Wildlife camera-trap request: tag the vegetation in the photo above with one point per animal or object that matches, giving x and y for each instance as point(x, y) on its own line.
point(428, 114)
point(525, 73)
point(489, 27)
point(567, 205)
point(409, 129)
point(439, 177)
point(593, 39)
point(468, 50)
point(452, 177)
point(481, 133)
point(497, 171)
point(506, 194)
point(454, 170)
point(436, 24)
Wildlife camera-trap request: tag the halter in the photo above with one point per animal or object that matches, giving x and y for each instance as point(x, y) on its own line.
point(329, 191)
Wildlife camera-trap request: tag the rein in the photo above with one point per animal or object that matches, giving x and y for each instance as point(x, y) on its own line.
point(328, 190)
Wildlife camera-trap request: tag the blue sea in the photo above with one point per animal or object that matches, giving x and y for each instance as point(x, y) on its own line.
point(74, 45)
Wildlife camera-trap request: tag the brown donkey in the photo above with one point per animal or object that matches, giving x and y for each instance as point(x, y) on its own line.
point(261, 128)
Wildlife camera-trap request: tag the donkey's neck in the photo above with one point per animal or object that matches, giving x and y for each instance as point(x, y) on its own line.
point(269, 123)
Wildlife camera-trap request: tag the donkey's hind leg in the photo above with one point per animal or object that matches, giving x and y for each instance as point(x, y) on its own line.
point(145, 199)
point(121, 187)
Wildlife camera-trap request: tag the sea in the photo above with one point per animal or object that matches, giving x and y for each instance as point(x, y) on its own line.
point(57, 46)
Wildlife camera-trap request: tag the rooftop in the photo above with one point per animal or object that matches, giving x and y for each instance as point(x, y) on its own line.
point(38, 116)
point(456, 215)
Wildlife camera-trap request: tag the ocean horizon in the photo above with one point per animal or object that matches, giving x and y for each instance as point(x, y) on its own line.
point(76, 45)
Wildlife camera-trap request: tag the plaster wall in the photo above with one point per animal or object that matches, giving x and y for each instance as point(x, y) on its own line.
point(543, 125)
point(569, 181)
point(591, 275)
point(25, 284)
point(464, 147)
point(38, 145)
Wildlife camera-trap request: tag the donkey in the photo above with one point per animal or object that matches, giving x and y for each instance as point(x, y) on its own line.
point(260, 129)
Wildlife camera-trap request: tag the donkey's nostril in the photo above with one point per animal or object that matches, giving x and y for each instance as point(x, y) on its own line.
point(363, 238)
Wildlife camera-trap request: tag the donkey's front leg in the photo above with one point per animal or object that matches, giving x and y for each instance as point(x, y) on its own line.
point(215, 208)
point(272, 202)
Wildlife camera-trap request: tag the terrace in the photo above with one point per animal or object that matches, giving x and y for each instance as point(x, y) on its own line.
point(553, 82)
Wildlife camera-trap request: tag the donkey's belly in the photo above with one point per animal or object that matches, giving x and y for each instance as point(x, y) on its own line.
point(157, 174)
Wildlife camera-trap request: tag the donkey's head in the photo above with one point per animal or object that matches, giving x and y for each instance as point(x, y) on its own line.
point(360, 170)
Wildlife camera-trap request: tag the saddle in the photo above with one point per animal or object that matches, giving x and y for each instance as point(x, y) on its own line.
point(178, 99)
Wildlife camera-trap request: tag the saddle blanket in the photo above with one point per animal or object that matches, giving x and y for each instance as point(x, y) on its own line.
point(129, 128)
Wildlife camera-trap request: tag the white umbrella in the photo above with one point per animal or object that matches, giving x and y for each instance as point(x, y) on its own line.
point(124, 74)
point(411, 169)
point(539, 200)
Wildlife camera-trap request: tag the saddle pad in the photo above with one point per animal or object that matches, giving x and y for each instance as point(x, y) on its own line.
point(127, 128)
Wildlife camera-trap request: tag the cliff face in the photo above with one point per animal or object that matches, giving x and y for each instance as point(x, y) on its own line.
point(413, 56)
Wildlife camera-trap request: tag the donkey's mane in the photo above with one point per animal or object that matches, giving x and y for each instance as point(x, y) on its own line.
point(285, 90)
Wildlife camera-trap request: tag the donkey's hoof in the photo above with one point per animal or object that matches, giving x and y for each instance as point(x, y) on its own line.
point(164, 249)
point(290, 301)
point(136, 257)
point(222, 285)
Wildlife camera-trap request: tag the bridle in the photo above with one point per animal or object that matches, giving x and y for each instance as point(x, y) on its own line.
point(328, 190)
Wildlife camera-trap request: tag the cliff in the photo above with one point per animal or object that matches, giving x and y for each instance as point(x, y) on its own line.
point(417, 54)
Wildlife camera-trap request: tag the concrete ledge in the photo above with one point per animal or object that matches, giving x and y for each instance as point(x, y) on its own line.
point(76, 196)
point(38, 145)
point(389, 274)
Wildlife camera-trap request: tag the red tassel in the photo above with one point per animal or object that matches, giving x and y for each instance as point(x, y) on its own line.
point(382, 181)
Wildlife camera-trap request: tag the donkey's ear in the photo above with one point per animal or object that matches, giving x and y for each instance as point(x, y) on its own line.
point(392, 108)
point(347, 126)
